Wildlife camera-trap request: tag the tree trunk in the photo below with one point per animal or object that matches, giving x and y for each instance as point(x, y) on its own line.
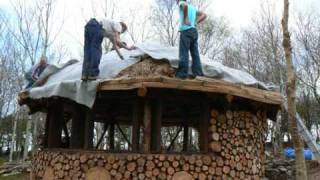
point(27, 140)
point(13, 140)
point(278, 137)
point(301, 173)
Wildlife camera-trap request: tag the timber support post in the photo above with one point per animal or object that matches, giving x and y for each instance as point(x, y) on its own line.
point(136, 116)
point(88, 130)
point(147, 126)
point(55, 119)
point(204, 124)
point(78, 127)
point(156, 126)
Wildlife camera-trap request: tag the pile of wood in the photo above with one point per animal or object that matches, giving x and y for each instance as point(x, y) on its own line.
point(148, 67)
point(237, 139)
point(86, 165)
point(236, 152)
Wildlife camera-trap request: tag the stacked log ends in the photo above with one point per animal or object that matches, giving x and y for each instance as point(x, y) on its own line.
point(182, 175)
point(237, 140)
point(97, 173)
point(48, 175)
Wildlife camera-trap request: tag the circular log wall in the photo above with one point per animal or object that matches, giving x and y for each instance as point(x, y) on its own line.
point(236, 141)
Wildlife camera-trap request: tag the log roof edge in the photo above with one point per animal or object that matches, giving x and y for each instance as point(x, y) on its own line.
point(201, 84)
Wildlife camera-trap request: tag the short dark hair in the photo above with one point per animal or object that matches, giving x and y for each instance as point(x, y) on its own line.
point(181, 0)
point(124, 27)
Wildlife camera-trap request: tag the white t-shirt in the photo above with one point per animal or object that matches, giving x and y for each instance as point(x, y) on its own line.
point(110, 27)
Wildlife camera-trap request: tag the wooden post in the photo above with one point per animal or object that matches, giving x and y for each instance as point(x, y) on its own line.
point(111, 136)
point(186, 120)
point(55, 112)
point(185, 137)
point(147, 126)
point(88, 132)
point(136, 115)
point(156, 126)
point(203, 129)
point(46, 130)
point(78, 124)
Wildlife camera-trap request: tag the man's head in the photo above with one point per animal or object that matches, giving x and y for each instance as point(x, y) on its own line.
point(43, 61)
point(124, 27)
point(181, 0)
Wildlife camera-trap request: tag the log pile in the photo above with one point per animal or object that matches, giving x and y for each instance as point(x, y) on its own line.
point(237, 139)
point(236, 152)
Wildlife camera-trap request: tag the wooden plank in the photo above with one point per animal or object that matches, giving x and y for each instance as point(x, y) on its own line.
point(147, 126)
point(156, 126)
point(55, 123)
point(136, 116)
point(203, 128)
point(77, 127)
point(88, 130)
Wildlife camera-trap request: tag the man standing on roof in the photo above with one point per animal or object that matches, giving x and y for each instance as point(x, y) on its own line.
point(94, 33)
point(34, 73)
point(189, 18)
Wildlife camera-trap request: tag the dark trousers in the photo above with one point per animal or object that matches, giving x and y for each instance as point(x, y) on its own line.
point(189, 42)
point(93, 37)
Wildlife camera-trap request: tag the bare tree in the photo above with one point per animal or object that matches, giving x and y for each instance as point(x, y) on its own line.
point(214, 36)
point(165, 21)
point(308, 39)
point(301, 171)
point(32, 35)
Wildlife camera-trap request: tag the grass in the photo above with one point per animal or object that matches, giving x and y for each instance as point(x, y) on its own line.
point(3, 159)
point(22, 176)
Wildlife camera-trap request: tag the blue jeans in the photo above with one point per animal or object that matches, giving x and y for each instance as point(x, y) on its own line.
point(189, 41)
point(93, 37)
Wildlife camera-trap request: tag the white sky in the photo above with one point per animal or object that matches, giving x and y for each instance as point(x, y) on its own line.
point(239, 13)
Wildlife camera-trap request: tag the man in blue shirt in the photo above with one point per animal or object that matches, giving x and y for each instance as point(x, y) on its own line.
point(189, 18)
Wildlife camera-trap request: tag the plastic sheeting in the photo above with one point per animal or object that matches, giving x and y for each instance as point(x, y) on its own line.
point(66, 82)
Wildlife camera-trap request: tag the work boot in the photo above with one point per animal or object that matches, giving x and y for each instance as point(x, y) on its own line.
point(92, 78)
point(84, 78)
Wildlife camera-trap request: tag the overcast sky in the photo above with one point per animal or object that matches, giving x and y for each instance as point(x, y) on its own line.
point(239, 13)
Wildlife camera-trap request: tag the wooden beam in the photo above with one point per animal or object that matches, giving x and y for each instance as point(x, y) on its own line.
point(102, 135)
point(156, 126)
point(186, 121)
point(111, 136)
point(136, 115)
point(199, 84)
point(88, 129)
point(78, 126)
point(55, 112)
point(147, 126)
point(185, 137)
point(204, 124)
point(46, 130)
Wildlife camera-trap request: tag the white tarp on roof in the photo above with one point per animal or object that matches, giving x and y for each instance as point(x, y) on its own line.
point(66, 83)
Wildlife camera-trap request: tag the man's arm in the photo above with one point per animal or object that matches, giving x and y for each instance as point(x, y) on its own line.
point(34, 75)
point(201, 16)
point(123, 45)
point(116, 40)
